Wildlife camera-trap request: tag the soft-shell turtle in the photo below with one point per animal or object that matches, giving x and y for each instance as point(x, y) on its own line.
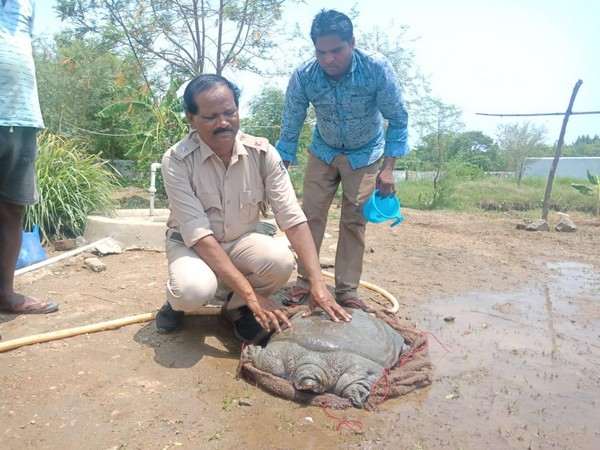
point(345, 358)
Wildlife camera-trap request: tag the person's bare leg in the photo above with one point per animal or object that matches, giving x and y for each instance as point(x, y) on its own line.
point(11, 217)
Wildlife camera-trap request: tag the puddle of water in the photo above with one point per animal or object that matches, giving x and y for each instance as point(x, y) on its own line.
point(523, 367)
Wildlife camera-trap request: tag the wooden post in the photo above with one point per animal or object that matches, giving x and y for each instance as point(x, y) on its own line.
point(559, 145)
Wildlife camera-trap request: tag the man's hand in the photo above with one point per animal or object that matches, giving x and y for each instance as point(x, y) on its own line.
point(385, 182)
point(385, 178)
point(268, 314)
point(302, 241)
point(322, 298)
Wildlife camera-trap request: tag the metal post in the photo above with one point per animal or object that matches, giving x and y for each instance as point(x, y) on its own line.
point(152, 189)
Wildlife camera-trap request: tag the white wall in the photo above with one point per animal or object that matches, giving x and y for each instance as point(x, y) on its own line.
point(568, 167)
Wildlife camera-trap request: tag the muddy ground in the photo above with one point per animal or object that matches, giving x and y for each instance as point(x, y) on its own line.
point(522, 370)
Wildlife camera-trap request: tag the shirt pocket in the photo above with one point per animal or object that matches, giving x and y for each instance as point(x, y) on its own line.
point(360, 106)
point(325, 108)
point(250, 203)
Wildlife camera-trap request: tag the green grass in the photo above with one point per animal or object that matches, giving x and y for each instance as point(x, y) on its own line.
point(498, 194)
point(71, 185)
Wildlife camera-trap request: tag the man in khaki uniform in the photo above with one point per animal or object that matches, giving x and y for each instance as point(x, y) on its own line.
point(217, 179)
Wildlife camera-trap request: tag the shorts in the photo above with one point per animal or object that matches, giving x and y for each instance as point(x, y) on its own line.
point(18, 150)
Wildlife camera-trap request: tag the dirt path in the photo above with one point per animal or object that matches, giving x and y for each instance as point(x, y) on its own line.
point(523, 369)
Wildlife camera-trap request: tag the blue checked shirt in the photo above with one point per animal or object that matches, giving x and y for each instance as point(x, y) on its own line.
point(349, 112)
point(19, 103)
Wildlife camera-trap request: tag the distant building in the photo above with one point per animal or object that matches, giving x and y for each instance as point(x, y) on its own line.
point(568, 167)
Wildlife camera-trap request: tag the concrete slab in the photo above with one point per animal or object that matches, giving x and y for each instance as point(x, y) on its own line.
point(136, 229)
point(132, 228)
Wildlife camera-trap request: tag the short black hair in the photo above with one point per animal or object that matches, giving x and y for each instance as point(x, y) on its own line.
point(330, 21)
point(204, 82)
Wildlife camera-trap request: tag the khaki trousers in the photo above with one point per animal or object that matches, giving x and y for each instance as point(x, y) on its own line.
point(266, 262)
point(321, 181)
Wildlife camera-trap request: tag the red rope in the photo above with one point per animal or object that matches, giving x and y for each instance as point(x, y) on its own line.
point(344, 422)
point(401, 361)
point(386, 388)
point(408, 355)
point(437, 340)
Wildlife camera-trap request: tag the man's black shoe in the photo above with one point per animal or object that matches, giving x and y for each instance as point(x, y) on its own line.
point(248, 330)
point(168, 320)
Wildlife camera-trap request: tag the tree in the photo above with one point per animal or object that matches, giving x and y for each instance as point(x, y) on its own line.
point(265, 120)
point(156, 125)
point(586, 139)
point(187, 37)
point(519, 141)
point(392, 43)
point(475, 148)
point(584, 146)
point(77, 79)
point(438, 122)
point(265, 114)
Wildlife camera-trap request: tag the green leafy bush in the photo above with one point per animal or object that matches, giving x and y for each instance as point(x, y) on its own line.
point(71, 183)
point(441, 192)
point(593, 189)
point(155, 126)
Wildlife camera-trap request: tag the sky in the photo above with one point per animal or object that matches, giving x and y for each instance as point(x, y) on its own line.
point(498, 56)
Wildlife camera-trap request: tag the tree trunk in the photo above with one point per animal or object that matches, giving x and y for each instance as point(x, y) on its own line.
point(520, 173)
point(219, 69)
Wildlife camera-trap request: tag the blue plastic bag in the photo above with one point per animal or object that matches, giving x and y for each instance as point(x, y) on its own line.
point(31, 250)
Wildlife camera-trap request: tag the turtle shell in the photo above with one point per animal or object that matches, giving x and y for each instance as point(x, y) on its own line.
point(365, 335)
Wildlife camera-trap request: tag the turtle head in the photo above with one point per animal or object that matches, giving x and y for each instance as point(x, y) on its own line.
point(310, 377)
point(251, 353)
point(357, 392)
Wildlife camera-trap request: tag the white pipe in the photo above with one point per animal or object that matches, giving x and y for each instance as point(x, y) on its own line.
point(153, 168)
point(68, 254)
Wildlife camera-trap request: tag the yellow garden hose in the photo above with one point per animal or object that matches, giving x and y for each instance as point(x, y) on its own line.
point(76, 331)
point(373, 287)
point(141, 318)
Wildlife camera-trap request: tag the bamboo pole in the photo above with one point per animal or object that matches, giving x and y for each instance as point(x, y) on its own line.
point(561, 140)
point(70, 332)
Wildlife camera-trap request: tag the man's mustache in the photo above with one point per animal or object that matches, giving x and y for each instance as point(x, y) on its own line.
point(223, 130)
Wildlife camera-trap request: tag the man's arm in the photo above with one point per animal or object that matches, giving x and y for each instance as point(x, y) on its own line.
point(302, 242)
point(267, 315)
point(294, 113)
point(391, 104)
point(291, 219)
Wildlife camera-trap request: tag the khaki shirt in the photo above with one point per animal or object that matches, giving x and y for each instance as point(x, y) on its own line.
point(207, 198)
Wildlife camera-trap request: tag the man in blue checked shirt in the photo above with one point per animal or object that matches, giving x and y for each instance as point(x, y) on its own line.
point(352, 93)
